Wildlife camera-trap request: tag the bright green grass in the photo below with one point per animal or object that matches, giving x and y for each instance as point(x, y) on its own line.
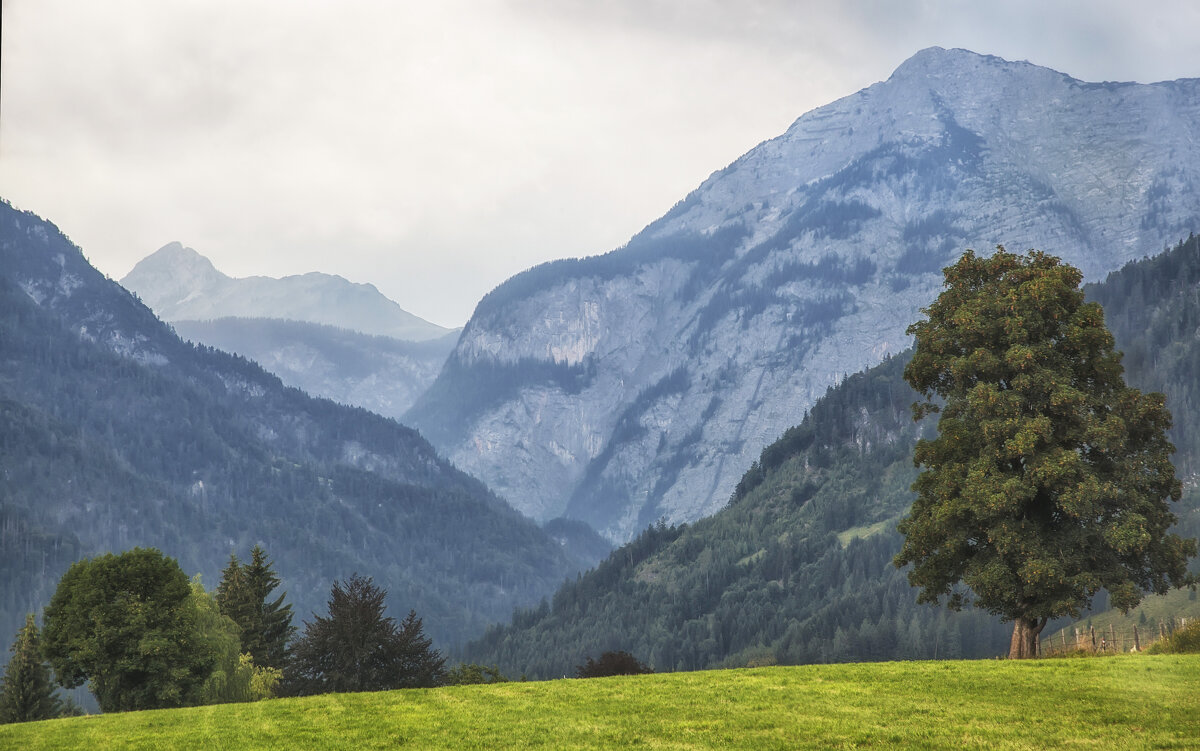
point(856, 533)
point(1125, 702)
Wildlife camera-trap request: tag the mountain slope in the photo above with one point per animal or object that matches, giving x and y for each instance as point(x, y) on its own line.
point(117, 433)
point(180, 284)
point(639, 385)
point(378, 373)
point(797, 568)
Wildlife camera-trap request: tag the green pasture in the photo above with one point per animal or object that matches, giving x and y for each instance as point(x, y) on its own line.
point(1125, 702)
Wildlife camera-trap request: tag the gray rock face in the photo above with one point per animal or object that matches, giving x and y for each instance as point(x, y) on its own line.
point(180, 284)
point(641, 384)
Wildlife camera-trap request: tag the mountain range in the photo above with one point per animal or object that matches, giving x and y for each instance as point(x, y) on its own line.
point(179, 284)
point(117, 433)
point(639, 385)
point(318, 332)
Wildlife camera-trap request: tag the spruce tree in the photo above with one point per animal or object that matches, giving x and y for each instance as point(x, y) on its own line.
point(233, 594)
point(27, 693)
point(358, 648)
point(243, 596)
point(272, 619)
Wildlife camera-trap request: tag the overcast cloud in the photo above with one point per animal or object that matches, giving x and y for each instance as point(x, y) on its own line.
point(434, 149)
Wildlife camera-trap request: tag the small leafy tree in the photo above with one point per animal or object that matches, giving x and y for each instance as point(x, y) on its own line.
point(27, 693)
point(358, 648)
point(126, 623)
point(1049, 477)
point(234, 677)
point(612, 663)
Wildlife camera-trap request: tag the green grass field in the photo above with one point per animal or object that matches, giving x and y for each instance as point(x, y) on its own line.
point(1129, 701)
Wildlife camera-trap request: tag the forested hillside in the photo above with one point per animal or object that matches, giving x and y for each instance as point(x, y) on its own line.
point(116, 434)
point(797, 568)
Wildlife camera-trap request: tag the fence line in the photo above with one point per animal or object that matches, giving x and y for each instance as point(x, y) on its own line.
point(1111, 638)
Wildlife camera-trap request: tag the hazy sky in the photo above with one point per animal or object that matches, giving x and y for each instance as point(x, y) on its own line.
point(436, 148)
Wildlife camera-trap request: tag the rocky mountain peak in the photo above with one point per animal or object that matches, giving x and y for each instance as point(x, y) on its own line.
point(180, 284)
point(641, 384)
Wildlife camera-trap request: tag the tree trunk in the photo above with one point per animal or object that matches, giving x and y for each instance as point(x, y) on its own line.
point(1024, 638)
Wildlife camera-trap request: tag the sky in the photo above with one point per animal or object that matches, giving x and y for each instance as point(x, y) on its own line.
point(435, 149)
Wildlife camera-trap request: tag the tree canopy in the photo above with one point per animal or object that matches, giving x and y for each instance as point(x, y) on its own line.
point(1049, 477)
point(127, 623)
point(358, 648)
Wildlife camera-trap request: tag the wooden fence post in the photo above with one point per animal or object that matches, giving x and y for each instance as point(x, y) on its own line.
point(1136, 643)
point(1092, 633)
point(1064, 636)
point(1112, 639)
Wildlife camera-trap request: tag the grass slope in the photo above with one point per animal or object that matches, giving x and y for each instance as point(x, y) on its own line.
point(1127, 702)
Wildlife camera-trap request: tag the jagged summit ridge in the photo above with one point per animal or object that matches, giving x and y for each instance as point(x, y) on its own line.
point(180, 284)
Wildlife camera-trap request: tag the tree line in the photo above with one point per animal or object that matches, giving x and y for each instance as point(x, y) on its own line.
point(143, 636)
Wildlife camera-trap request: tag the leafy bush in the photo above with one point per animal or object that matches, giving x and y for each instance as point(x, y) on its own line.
point(612, 663)
point(1184, 641)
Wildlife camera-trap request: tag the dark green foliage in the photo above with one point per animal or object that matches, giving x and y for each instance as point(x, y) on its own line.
point(358, 648)
point(244, 595)
point(126, 624)
point(1049, 477)
point(470, 674)
point(126, 436)
point(26, 694)
point(611, 663)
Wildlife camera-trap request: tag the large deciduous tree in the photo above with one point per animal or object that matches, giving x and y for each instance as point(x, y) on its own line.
point(1049, 477)
point(127, 623)
point(358, 648)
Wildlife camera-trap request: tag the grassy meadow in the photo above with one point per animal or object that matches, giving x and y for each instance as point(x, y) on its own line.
point(1126, 702)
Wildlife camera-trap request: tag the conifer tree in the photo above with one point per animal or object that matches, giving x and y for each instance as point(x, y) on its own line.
point(27, 693)
point(266, 624)
point(273, 627)
point(358, 648)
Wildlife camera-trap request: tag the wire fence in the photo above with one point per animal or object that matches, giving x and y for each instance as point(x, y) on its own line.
point(1110, 638)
